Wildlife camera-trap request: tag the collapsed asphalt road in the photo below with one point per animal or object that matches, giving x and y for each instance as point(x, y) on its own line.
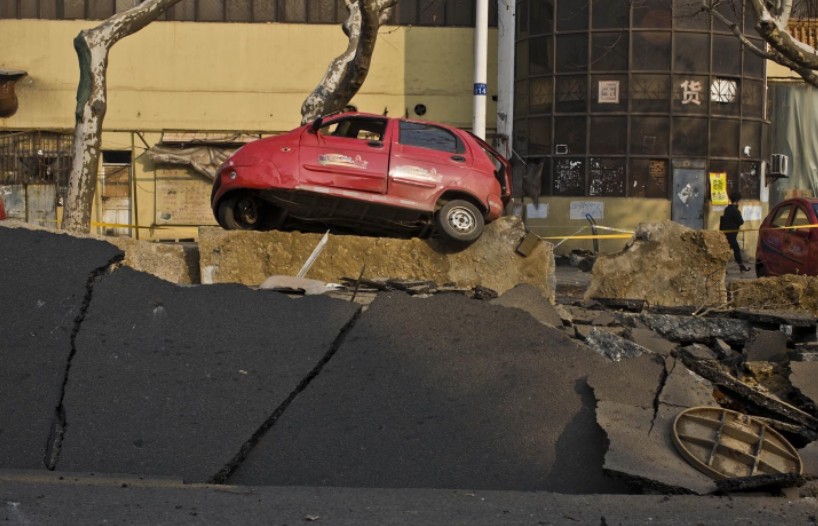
point(112, 371)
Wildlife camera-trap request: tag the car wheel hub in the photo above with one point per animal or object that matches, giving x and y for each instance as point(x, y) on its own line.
point(248, 211)
point(461, 220)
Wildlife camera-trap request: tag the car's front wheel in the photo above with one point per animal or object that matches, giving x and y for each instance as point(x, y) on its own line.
point(459, 221)
point(240, 212)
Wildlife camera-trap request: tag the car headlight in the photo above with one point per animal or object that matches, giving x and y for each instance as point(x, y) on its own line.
point(232, 175)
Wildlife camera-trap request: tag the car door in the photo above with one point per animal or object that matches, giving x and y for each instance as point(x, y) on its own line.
point(425, 159)
point(347, 152)
point(796, 242)
point(772, 240)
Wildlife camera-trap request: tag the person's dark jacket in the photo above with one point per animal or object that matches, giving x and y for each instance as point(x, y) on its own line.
point(731, 220)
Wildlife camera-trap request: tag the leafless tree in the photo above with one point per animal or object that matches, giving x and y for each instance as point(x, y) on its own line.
point(347, 72)
point(93, 46)
point(772, 18)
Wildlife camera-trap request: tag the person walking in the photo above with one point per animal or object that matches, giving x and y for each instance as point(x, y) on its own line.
point(730, 224)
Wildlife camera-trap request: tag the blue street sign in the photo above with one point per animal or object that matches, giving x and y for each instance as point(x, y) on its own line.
point(480, 89)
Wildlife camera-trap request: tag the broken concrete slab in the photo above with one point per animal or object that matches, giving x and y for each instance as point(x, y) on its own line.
point(529, 299)
point(174, 381)
point(249, 257)
point(766, 346)
point(442, 392)
point(803, 378)
point(173, 262)
point(788, 293)
point(583, 331)
point(612, 346)
point(637, 401)
point(700, 352)
point(696, 329)
point(651, 340)
point(45, 283)
point(666, 264)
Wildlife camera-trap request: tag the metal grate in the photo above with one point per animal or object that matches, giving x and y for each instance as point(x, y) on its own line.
point(36, 157)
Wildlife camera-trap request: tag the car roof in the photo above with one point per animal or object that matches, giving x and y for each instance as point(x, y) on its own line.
point(376, 116)
point(803, 200)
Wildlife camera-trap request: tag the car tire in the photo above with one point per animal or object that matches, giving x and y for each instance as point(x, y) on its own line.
point(240, 212)
point(761, 270)
point(459, 221)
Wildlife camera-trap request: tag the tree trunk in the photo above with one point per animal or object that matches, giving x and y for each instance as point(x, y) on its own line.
point(346, 73)
point(92, 46)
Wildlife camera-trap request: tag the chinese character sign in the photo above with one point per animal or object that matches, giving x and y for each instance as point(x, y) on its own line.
point(691, 92)
point(718, 188)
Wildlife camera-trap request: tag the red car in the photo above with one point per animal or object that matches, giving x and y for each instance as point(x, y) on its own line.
point(786, 242)
point(365, 174)
point(2, 210)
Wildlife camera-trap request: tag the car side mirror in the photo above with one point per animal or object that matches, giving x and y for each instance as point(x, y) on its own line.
point(316, 125)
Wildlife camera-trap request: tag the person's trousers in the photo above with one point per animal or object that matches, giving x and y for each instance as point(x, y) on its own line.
point(732, 239)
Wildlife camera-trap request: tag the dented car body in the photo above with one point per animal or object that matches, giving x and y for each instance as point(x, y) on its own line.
point(788, 239)
point(365, 174)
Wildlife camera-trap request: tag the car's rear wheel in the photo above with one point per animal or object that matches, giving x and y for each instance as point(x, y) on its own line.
point(240, 212)
point(459, 221)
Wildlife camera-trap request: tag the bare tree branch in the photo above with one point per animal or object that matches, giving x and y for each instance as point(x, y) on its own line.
point(772, 18)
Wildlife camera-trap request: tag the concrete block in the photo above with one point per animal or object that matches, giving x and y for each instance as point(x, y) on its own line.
point(666, 264)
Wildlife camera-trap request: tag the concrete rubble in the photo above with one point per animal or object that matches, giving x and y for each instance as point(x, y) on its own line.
point(121, 371)
point(665, 264)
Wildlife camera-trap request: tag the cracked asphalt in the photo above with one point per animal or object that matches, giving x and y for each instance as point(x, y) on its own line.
point(124, 398)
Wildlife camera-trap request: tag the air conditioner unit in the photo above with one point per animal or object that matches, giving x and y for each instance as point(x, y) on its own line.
point(779, 164)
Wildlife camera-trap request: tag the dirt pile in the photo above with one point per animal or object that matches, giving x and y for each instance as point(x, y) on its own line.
point(665, 264)
point(788, 293)
point(492, 262)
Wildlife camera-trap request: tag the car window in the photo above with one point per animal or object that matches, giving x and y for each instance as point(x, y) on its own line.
point(429, 136)
point(815, 208)
point(781, 216)
point(355, 128)
point(800, 218)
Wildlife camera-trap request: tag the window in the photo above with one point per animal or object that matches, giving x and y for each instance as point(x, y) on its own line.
point(800, 217)
point(572, 53)
point(649, 178)
point(688, 14)
point(609, 135)
point(428, 136)
point(651, 51)
point(609, 52)
point(651, 13)
point(650, 135)
point(355, 128)
point(607, 14)
point(572, 15)
point(781, 216)
point(690, 137)
point(724, 136)
point(650, 93)
point(606, 177)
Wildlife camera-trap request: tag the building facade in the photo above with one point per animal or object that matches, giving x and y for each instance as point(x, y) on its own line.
point(623, 110)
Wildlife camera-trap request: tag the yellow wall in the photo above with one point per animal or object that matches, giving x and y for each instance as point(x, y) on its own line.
point(207, 76)
point(188, 76)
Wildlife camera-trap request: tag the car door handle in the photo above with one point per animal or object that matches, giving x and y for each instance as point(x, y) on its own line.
point(375, 144)
point(458, 158)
